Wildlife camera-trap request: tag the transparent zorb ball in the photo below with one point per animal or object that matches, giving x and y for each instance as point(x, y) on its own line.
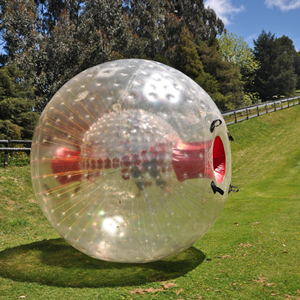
point(131, 161)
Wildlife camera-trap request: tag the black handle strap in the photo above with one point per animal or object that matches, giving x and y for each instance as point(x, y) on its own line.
point(233, 188)
point(230, 136)
point(214, 124)
point(216, 189)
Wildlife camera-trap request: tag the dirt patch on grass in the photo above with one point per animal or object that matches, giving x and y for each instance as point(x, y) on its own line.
point(32, 200)
point(8, 204)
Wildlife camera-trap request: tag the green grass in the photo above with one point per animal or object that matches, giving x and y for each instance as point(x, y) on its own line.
point(252, 252)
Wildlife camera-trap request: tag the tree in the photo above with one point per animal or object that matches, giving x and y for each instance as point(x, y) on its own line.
point(49, 13)
point(202, 22)
point(160, 23)
point(147, 18)
point(54, 61)
point(18, 26)
point(297, 68)
point(265, 55)
point(234, 49)
point(42, 51)
point(171, 35)
point(284, 66)
point(188, 60)
point(52, 41)
point(17, 119)
point(276, 75)
point(229, 91)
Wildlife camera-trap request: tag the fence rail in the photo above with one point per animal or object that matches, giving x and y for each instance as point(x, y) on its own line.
point(7, 149)
point(246, 113)
point(230, 117)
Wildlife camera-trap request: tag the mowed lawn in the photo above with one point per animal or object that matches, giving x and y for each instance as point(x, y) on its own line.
point(252, 252)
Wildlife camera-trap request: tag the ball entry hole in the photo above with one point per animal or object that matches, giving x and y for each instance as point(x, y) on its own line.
point(219, 159)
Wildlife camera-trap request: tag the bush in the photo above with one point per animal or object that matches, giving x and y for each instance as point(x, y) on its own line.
point(18, 158)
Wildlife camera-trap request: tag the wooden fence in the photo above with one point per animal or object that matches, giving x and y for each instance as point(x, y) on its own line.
point(246, 113)
point(8, 149)
point(230, 117)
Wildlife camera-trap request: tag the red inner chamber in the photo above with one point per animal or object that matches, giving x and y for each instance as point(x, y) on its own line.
point(219, 159)
point(188, 161)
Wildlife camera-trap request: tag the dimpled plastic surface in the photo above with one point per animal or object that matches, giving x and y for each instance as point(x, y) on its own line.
point(123, 158)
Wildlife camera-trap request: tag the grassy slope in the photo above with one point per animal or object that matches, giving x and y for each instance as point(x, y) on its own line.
point(252, 252)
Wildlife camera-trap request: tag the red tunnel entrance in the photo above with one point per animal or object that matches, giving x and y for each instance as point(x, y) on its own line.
point(219, 159)
point(188, 161)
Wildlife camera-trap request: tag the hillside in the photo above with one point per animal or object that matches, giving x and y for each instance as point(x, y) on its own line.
point(252, 252)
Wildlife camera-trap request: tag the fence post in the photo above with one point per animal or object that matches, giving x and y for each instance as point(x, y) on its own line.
point(274, 106)
point(266, 106)
point(257, 110)
point(235, 118)
point(247, 113)
point(6, 155)
point(288, 102)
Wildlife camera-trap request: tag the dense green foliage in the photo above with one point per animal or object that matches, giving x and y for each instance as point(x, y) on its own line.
point(17, 120)
point(50, 41)
point(228, 87)
point(234, 49)
point(297, 69)
point(276, 75)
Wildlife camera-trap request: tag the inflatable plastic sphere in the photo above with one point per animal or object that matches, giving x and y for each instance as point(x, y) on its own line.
point(131, 161)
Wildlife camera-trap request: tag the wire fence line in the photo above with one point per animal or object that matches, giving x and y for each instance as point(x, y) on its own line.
point(230, 117)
